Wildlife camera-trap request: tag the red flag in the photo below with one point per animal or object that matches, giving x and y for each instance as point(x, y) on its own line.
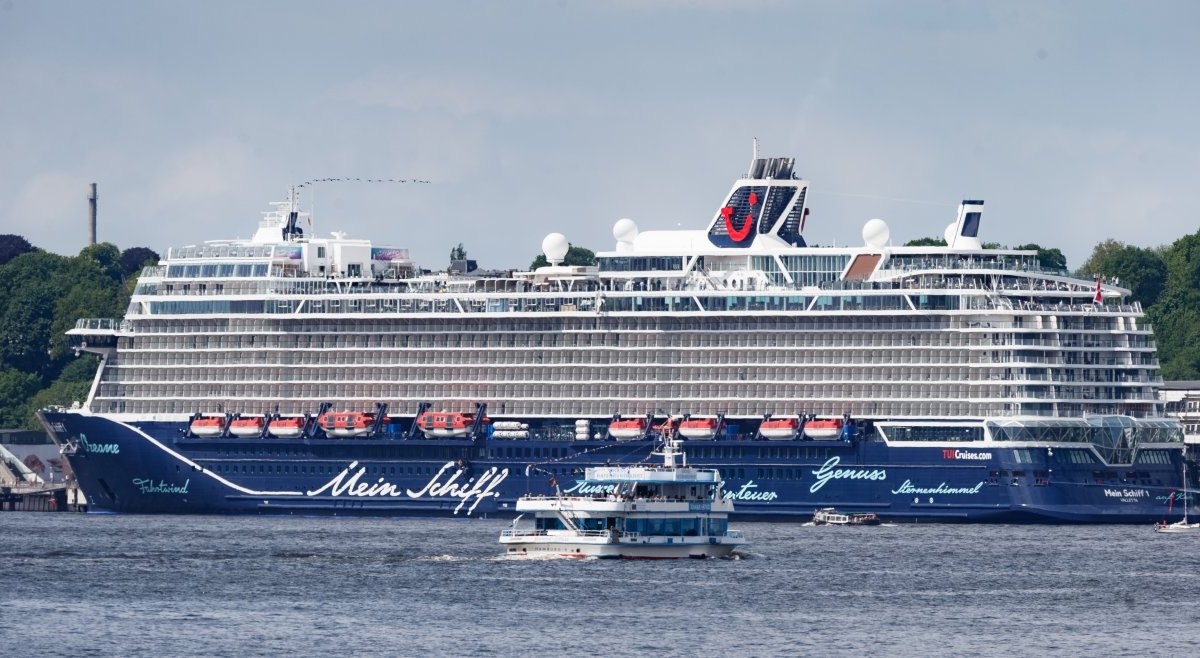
point(1098, 298)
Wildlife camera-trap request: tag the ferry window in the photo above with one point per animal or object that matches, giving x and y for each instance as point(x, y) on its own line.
point(320, 252)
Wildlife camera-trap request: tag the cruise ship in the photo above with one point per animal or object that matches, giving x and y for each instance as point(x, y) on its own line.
point(297, 374)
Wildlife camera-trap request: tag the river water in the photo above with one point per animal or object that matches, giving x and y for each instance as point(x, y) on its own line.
point(103, 585)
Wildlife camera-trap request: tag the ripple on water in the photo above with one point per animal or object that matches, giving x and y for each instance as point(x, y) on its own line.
point(184, 586)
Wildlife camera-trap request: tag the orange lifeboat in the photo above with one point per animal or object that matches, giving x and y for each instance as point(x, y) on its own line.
point(823, 429)
point(208, 426)
point(289, 427)
point(247, 427)
point(342, 424)
point(627, 428)
point(444, 424)
point(698, 428)
point(779, 428)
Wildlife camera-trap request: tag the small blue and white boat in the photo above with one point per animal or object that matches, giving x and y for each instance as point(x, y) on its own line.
point(667, 511)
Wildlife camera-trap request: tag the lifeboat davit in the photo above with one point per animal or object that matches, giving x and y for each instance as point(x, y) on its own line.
point(698, 428)
point(823, 429)
point(444, 424)
point(290, 427)
point(342, 424)
point(208, 426)
point(627, 428)
point(246, 427)
point(779, 428)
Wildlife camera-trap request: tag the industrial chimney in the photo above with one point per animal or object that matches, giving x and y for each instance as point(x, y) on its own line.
point(92, 216)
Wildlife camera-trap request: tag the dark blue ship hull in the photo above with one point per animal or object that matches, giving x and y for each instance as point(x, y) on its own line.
point(155, 467)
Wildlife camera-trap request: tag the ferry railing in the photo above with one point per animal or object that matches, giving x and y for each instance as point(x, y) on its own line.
point(523, 533)
point(512, 532)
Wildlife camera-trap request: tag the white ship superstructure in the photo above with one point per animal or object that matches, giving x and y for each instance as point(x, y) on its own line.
point(741, 318)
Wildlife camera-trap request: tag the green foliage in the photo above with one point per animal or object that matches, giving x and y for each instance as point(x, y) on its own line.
point(1050, 259)
point(41, 296)
point(575, 256)
point(926, 242)
point(61, 393)
point(134, 259)
point(12, 246)
point(1176, 311)
point(1142, 271)
point(458, 253)
point(102, 259)
point(15, 388)
point(28, 287)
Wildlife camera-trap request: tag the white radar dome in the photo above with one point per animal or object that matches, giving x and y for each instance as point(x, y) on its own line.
point(876, 233)
point(625, 230)
point(949, 233)
point(555, 247)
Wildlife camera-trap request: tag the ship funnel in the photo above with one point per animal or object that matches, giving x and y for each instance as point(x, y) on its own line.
point(768, 201)
point(771, 169)
point(964, 232)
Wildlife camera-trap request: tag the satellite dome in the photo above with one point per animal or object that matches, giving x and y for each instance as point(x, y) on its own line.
point(876, 233)
point(555, 247)
point(625, 230)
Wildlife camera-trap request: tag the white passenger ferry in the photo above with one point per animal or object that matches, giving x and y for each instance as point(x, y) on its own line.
point(295, 373)
point(668, 511)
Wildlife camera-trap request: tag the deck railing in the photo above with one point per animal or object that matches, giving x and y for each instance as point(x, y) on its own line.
point(101, 324)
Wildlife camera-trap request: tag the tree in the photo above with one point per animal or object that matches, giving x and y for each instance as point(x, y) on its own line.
point(1183, 262)
point(1142, 271)
point(458, 253)
point(135, 258)
point(106, 258)
point(1095, 264)
point(1050, 259)
point(575, 256)
point(15, 388)
point(29, 287)
point(926, 242)
point(1176, 313)
point(12, 246)
point(70, 387)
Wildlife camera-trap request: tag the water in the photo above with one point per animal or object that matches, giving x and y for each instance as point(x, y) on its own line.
point(76, 585)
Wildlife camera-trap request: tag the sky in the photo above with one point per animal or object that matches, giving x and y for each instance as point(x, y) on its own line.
point(1076, 122)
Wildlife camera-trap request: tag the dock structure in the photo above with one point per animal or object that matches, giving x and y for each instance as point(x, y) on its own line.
point(22, 490)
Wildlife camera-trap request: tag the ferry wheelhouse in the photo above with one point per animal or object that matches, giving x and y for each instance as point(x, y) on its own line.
point(944, 383)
